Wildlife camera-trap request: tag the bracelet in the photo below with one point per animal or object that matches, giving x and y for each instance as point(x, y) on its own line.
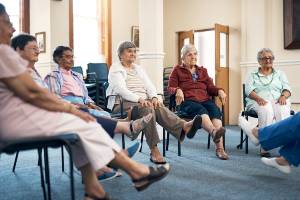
point(282, 95)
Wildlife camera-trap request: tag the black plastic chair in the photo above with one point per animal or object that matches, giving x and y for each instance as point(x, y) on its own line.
point(43, 143)
point(100, 69)
point(77, 69)
point(248, 113)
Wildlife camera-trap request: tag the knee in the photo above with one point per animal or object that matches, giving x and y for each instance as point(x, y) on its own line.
point(146, 110)
point(266, 110)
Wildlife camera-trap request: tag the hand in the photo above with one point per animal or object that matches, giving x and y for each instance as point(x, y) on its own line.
point(222, 95)
point(145, 103)
point(93, 106)
point(83, 115)
point(156, 103)
point(261, 101)
point(179, 97)
point(282, 100)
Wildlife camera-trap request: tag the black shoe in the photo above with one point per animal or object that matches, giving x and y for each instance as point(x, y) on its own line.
point(155, 174)
point(197, 121)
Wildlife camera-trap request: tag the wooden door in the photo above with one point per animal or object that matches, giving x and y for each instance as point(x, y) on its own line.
point(222, 63)
point(184, 37)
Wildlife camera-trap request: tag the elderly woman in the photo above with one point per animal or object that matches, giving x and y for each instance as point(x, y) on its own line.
point(129, 80)
point(268, 92)
point(284, 134)
point(27, 110)
point(193, 89)
point(68, 84)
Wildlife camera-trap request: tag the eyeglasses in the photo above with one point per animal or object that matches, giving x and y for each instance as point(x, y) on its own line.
point(267, 58)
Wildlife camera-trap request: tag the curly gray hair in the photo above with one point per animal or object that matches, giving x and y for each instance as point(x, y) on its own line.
point(124, 45)
point(186, 49)
point(264, 50)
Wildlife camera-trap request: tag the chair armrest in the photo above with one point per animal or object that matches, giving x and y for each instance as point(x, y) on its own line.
point(121, 103)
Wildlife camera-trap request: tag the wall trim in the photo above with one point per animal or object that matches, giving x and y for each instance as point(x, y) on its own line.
point(276, 63)
point(45, 64)
point(151, 55)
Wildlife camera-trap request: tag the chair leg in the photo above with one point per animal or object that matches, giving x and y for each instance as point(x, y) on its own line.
point(168, 140)
point(142, 139)
point(71, 173)
point(246, 145)
point(224, 142)
point(208, 141)
point(179, 148)
point(62, 159)
point(164, 142)
point(15, 162)
point(123, 141)
point(40, 163)
point(47, 172)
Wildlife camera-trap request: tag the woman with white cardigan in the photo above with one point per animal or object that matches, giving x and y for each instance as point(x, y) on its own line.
point(129, 80)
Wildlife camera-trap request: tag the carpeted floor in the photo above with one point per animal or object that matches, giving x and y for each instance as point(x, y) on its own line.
point(197, 174)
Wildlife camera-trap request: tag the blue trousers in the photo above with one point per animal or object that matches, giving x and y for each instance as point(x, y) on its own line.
point(79, 100)
point(284, 134)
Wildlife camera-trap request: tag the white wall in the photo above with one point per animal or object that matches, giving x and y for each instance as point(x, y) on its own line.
point(51, 17)
point(201, 14)
point(262, 26)
point(125, 14)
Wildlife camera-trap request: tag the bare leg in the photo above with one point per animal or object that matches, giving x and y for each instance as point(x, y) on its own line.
point(91, 184)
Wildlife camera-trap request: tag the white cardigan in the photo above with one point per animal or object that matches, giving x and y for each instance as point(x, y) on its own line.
point(117, 84)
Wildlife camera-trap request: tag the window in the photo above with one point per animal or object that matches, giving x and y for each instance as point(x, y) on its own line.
point(18, 11)
point(13, 10)
point(88, 32)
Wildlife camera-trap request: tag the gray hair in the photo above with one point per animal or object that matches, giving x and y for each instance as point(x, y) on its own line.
point(186, 49)
point(124, 45)
point(264, 50)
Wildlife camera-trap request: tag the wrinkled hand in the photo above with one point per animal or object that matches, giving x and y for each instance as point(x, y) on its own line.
point(145, 103)
point(93, 106)
point(179, 97)
point(156, 103)
point(83, 115)
point(282, 100)
point(222, 96)
point(261, 101)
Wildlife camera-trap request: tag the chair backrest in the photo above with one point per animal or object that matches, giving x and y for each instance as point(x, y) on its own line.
point(166, 76)
point(244, 97)
point(77, 69)
point(100, 69)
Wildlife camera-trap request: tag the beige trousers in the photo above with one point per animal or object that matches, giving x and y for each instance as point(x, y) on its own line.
point(162, 115)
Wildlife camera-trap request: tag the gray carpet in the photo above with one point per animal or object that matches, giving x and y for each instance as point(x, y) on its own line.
point(198, 174)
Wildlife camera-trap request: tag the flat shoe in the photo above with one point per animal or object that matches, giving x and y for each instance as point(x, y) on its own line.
point(157, 162)
point(221, 154)
point(197, 121)
point(155, 174)
point(133, 134)
point(273, 163)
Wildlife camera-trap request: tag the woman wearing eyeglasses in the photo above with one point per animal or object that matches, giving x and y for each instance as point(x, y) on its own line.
point(268, 91)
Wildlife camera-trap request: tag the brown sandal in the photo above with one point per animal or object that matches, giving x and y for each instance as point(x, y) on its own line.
point(218, 134)
point(221, 154)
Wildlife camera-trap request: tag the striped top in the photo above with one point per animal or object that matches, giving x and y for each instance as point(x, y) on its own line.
point(135, 84)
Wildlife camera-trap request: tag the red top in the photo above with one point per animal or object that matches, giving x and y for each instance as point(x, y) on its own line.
point(199, 90)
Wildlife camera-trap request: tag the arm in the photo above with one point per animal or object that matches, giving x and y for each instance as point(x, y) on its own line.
point(53, 83)
point(24, 87)
point(250, 93)
point(286, 89)
point(173, 87)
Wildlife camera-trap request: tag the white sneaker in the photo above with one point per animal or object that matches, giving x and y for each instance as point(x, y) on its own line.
point(273, 163)
point(246, 126)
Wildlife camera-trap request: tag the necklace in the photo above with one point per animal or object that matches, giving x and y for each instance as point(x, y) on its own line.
point(263, 83)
